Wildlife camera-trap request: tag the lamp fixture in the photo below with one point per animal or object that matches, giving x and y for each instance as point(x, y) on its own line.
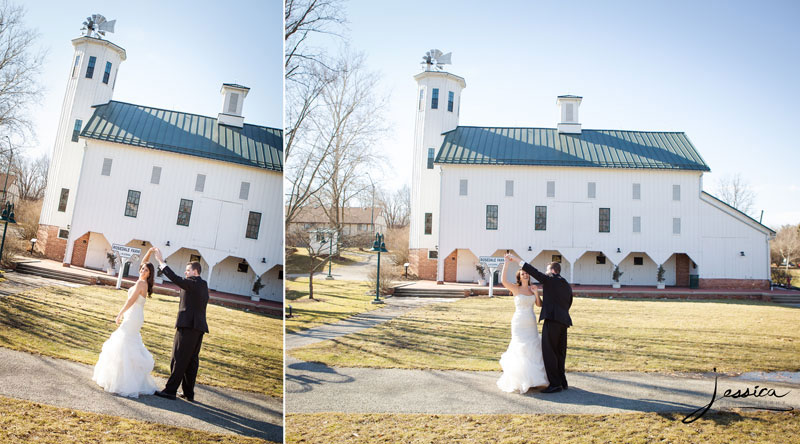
point(741, 253)
point(618, 250)
point(144, 243)
point(168, 243)
point(263, 260)
point(529, 248)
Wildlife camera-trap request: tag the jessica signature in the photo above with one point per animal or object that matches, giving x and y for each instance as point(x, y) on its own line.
point(757, 393)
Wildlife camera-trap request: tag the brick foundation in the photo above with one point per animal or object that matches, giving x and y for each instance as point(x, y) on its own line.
point(451, 266)
point(49, 244)
point(79, 251)
point(420, 265)
point(682, 270)
point(735, 284)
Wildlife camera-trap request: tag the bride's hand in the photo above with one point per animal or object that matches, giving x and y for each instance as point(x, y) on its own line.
point(118, 320)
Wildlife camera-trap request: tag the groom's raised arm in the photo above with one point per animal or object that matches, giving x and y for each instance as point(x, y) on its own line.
point(174, 278)
point(530, 269)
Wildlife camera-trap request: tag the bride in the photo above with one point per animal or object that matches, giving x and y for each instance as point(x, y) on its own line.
point(522, 363)
point(124, 364)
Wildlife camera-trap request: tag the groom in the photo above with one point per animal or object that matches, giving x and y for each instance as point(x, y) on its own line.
point(191, 325)
point(556, 301)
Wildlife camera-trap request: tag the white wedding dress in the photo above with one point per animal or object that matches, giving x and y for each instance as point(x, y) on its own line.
point(522, 363)
point(124, 364)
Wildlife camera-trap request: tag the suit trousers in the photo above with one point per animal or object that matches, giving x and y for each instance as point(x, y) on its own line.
point(185, 361)
point(554, 352)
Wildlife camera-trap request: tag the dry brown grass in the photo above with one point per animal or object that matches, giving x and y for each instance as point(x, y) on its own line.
point(30, 422)
point(713, 428)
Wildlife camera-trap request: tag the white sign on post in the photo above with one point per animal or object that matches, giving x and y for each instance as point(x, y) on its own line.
point(125, 253)
point(491, 262)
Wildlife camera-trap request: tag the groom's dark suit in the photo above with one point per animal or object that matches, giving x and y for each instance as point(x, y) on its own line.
point(190, 325)
point(556, 301)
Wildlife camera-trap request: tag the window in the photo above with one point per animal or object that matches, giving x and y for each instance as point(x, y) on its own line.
point(637, 224)
point(132, 204)
point(462, 187)
point(106, 167)
point(194, 258)
point(676, 192)
point(107, 73)
point(63, 234)
point(253, 223)
point(605, 220)
point(541, 218)
point(551, 188)
point(76, 130)
point(450, 99)
point(421, 99)
point(509, 188)
point(244, 190)
point(433, 254)
point(428, 223)
point(430, 158)
point(184, 212)
point(90, 67)
point(200, 183)
point(242, 267)
point(435, 98)
point(155, 177)
point(569, 117)
point(233, 103)
point(75, 67)
point(600, 260)
point(638, 260)
point(556, 258)
point(280, 275)
point(491, 217)
point(62, 201)
point(676, 225)
point(592, 192)
point(637, 191)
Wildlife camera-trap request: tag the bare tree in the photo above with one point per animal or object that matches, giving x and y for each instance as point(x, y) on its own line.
point(31, 176)
point(395, 207)
point(302, 20)
point(787, 244)
point(302, 239)
point(736, 192)
point(20, 65)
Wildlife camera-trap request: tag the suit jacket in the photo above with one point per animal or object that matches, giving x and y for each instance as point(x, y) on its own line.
point(194, 299)
point(556, 295)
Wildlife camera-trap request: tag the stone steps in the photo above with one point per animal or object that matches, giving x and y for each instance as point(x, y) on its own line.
point(25, 268)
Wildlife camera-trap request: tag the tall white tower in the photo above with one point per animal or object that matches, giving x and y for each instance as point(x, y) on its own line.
point(91, 79)
point(437, 108)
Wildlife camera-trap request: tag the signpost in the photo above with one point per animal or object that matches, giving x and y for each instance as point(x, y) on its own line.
point(126, 254)
point(491, 262)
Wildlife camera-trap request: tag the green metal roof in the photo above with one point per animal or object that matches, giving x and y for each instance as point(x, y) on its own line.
point(591, 148)
point(186, 133)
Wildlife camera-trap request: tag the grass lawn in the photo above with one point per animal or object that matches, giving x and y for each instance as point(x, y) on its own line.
point(333, 300)
point(608, 335)
point(297, 262)
point(713, 428)
point(243, 350)
point(30, 422)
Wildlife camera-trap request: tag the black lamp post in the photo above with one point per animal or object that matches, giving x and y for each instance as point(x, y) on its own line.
point(7, 217)
point(380, 247)
point(330, 255)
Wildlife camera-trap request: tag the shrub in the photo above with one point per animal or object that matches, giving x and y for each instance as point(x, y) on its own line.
point(390, 274)
point(397, 244)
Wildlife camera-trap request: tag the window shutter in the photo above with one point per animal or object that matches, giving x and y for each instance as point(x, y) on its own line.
point(233, 103)
point(462, 187)
point(510, 188)
point(156, 176)
point(106, 167)
point(244, 191)
point(592, 190)
point(551, 189)
point(200, 184)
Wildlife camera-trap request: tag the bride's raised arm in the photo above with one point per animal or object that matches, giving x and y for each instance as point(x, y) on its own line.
point(510, 286)
point(146, 257)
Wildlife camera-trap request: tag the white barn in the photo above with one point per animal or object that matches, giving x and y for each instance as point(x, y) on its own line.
point(200, 188)
point(590, 199)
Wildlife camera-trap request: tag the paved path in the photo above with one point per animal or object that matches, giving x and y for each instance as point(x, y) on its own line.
point(393, 308)
point(14, 283)
point(314, 387)
point(68, 384)
point(352, 272)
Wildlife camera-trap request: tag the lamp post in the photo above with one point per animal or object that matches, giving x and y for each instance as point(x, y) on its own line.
point(380, 247)
point(330, 255)
point(7, 217)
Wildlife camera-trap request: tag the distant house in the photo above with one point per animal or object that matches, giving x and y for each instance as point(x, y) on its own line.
point(355, 220)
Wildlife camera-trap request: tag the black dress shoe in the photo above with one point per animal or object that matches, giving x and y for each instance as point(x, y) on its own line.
point(565, 386)
point(165, 395)
point(552, 389)
point(188, 398)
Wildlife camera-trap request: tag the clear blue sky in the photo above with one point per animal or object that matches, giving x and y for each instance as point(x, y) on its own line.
point(723, 72)
point(179, 54)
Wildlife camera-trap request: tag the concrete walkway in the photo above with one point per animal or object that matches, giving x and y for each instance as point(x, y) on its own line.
point(393, 308)
point(68, 384)
point(314, 387)
point(352, 272)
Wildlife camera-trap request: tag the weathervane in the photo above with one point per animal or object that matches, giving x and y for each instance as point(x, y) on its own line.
point(435, 58)
point(96, 26)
